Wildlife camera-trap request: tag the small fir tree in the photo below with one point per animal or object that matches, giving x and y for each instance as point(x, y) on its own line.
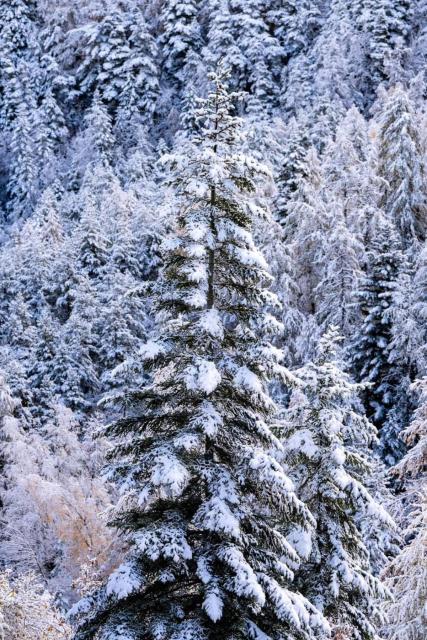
point(324, 439)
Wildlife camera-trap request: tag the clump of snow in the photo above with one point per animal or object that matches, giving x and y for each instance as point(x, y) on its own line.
point(84, 605)
point(302, 441)
point(246, 379)
point(255, 633)
point(270, 471)
point(199, 190)
point(202, 376)
point(203, 570)
point(123, 581)
point(211, 323)
point(187, 441)
point(213, 605)
point(150, 350)
point(195, 250)
point(163, 542)
point(170, 475)
point(216, 515)
point(338, 456)
point(341, 478)
point(251, 258)
point(208, 420)
point(301, 541)
point(196, 272)
point(245, 582)
point(196, 299)
point(118, 632)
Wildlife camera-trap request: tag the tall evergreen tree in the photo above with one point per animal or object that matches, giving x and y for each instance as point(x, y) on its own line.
point(205, 506)
point(17, 43)
point(239, 35)
point(278, 255)
point(305, 229)
point(295, 22)
point(22, 186)
point(51, 129)
point(99, 132)
point(349, 174)
point(18, 18)
point(419, 288)
point(294, 167)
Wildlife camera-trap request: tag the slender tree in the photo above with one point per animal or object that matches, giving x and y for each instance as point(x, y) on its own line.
point(372, 344)
point(339, 256)
point(400, 165)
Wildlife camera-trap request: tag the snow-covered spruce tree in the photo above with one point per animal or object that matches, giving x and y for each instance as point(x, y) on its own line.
point(419, 288)
point(407, 574)
point(372, 343)
point(294, 24)
point(98, 133)
point(51, 129)
point(180, 35)
point(116, 53)
point(205, 506)
point(323, 439)
point(280, 261)
point(413, 465)
point(72, 372)
point(22, 181)
point(386, 27)
point(349, 174)
point(18, 19)
point(332, 59)
point(420, 35)
point(400, 164)
point(17, 39)
point(239, 36)
point(405, 351)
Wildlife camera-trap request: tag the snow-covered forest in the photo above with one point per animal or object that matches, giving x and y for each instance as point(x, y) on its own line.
point(213, 319)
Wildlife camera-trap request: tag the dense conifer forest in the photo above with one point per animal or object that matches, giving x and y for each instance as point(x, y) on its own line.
point(213, 320)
